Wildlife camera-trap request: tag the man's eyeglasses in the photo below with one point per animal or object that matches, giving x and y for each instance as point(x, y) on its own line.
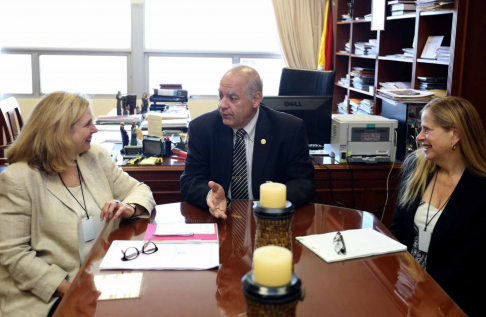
point(339, 246)
point(132, 253)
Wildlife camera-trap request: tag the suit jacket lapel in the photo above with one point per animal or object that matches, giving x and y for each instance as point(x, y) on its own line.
point(261, 149)
point(224, 154)
point(462, 197)
point(89, 172)
point(57, 189)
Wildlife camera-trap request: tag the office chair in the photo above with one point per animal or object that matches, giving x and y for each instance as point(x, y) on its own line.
point(306, 82)
point(10, 124)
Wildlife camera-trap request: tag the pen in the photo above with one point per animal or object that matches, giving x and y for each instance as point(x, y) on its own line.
point(182, 234)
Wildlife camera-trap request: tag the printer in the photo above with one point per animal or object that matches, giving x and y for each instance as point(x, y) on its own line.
point(357, 138)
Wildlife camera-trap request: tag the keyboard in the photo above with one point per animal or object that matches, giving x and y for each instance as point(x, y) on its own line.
point(313, 147)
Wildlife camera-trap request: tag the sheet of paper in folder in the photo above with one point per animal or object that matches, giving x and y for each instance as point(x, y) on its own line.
point(154, 124)
point(359, 243)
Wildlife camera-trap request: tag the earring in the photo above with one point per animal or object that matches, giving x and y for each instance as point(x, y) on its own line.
point(453, 147)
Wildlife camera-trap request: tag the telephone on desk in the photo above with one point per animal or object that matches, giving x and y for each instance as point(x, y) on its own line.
point(179, 154)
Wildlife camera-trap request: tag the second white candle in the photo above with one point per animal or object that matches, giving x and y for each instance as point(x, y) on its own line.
point(272, 266)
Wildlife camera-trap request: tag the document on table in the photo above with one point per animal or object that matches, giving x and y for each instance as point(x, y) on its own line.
point(359, 243)
point(118, 286)
point(184, 229)
point(187, 256)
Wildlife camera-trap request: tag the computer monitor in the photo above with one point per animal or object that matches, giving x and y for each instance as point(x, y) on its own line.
point(316, 111)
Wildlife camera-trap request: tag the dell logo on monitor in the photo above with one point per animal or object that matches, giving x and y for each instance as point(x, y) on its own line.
point(293, 104)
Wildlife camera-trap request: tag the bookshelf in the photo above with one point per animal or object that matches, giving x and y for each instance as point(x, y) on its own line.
point(407, 31)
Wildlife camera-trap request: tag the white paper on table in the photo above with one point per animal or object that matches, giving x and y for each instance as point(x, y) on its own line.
point(359, 243)
point(184, 228)
point(182, 256)
point(117, 286)
point(169, 213)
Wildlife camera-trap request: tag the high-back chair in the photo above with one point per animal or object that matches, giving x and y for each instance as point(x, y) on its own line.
point(306, 82)
point(10, 124)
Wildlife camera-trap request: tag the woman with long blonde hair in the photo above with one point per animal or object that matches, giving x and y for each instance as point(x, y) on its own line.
point(441, 208)
point(54, 198)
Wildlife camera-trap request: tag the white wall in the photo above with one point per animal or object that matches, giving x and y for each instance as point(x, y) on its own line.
point(103, 106)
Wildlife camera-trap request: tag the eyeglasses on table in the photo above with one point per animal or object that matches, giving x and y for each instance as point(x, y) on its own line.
point(339, 246)
point(132, 253)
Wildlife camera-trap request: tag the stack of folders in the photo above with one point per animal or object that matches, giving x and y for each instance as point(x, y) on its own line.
point(436, 85)
point(342, 107)
point(428, 5)
point(443, 53)
point(366, 107)
point(402, 7)
point(366, 48)
point(354, 103)
point(405, 95)
point(181, 245)
point(363, 78)
point(359, 243)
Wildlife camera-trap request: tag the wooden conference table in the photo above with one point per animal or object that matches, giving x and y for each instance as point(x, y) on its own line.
point(387, 285)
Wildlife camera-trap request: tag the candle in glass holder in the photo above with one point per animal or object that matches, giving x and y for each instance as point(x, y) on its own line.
point(273, 195)
point(272, 266)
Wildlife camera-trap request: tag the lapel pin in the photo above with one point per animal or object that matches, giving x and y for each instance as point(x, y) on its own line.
point(263, 141)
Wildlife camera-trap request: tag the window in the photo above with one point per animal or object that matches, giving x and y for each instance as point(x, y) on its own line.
point(198, 75)
point(270, 71)
point(15, 74)
point(87, 45)
point(211, 26)
point(206, 37)
point(87, 24)
point(86, 74)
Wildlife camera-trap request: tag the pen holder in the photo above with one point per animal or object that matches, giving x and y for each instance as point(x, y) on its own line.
point(273, 225)
point(265, 301)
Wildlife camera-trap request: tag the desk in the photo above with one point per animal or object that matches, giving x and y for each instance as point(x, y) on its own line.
point(388, 285)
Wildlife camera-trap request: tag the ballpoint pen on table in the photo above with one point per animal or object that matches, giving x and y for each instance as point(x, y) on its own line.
point(182, 234)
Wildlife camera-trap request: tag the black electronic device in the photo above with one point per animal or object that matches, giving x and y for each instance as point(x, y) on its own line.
point(153, 146)
point(408, 115)
point(132, 151)
point(316, 111)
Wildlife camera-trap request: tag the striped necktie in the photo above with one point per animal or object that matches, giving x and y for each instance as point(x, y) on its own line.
point(239, 179)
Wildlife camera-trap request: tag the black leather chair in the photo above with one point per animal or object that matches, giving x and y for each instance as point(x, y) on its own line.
point(306, 82)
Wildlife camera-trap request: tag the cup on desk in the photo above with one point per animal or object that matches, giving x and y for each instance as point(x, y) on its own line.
point(273, 216)
point(271, 289)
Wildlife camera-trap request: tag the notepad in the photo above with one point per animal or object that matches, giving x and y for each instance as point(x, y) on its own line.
point(359, 243)
point(182, 233)
point(149, 161)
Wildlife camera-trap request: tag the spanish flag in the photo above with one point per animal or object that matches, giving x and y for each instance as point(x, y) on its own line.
point(325, 51)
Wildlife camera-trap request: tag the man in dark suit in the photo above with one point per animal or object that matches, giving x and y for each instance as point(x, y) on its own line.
point(276, 147)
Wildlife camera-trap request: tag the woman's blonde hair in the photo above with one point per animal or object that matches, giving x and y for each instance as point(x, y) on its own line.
point(45, 140)
point(447, 112)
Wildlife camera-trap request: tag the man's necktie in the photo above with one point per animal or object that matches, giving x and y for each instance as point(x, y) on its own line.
point(239, 179)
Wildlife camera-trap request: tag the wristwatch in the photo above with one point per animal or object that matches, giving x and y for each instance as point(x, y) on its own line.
point(134, 207)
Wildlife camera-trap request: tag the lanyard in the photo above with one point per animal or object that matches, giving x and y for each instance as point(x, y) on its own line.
point(82, 192)
point(427, 221)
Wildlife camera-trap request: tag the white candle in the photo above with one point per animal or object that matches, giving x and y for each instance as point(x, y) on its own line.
point(272, 266)
point(273, 195)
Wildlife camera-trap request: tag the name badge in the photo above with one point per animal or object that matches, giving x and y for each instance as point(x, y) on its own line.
point(424, 240)
point(88, 229)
